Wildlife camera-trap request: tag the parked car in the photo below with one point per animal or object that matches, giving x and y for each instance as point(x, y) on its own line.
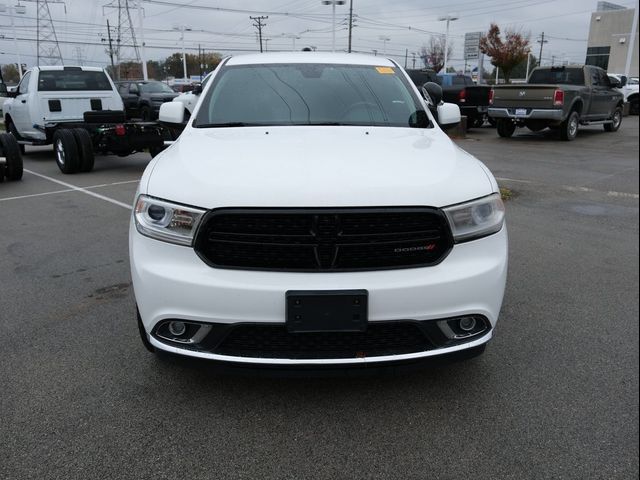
point(314, 214)
point(628, 88)
point(79, 111)
point(142, 99)
point(561, 98)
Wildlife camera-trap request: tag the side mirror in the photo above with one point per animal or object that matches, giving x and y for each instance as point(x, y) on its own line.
point(623, 80)
point(171, 113)
point(432, 92)
point(615, 83)
point(3, 90)
point(448, 115)
point(197, 90)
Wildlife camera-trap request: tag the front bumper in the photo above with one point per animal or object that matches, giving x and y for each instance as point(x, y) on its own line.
point(172, 282)
point(554, 115)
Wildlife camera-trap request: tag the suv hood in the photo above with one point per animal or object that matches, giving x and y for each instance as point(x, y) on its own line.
point(315, 167)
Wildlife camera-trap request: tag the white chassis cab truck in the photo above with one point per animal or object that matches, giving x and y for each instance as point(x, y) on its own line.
point(77, 110)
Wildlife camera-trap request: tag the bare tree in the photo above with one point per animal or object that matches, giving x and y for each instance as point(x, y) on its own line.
point(506, 54)
point(432, 54)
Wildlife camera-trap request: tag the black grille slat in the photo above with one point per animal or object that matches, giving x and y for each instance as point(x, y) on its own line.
point(274, 341)
point(323, 239)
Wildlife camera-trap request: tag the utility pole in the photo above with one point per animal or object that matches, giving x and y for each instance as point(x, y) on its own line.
point(259, 25)
point(541, 41)
point(406, 56)
point(351, 24)
point(113, 67)
point(413, 60)
point(143, 57)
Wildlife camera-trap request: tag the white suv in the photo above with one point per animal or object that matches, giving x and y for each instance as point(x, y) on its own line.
point(313, 213)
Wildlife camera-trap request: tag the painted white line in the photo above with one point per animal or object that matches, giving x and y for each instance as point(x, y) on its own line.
point(80, 189)
point(67, 190)
point(572, 188)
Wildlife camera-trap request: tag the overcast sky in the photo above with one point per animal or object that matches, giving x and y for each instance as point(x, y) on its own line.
point(406, 23)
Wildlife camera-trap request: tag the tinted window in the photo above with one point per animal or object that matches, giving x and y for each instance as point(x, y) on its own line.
point(598, 56)
point(311, 94)
point(459, 81)
point(554, 76)
point(70, 80)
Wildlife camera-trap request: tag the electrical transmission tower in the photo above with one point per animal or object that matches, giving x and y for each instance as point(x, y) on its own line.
point(126, 46)
point(48, 48)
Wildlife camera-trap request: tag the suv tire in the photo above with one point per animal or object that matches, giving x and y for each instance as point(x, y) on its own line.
point(66, 151)
point(11, 151)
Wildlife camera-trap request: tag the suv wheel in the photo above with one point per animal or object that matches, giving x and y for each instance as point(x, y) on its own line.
point(506, 128)
point(616, 121)
point(569, 128)
point(66, 151)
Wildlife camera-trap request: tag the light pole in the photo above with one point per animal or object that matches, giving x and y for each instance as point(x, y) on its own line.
point(333, 4)
point(384, 44)
point(448, 19)
point(20, 9)
point(182, 29)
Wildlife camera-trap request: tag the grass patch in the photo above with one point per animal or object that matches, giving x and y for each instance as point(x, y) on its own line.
point(506, 193)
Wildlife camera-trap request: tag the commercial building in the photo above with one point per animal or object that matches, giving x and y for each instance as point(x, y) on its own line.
point(610, 38)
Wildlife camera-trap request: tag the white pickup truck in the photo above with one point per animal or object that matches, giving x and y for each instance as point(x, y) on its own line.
point(79, 111)
point(629, 89)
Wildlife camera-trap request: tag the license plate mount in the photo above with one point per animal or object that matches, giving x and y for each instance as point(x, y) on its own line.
point(310, 311)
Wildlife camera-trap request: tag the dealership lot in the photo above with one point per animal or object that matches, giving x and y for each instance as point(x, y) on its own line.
point(555, 395)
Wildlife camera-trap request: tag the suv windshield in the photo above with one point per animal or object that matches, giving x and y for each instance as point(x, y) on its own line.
point(554, 76)
point(311, 94)
point(72, 80)
point(154, 87)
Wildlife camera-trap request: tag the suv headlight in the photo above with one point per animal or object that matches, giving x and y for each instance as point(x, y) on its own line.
point(476, 219)
point(166, 221)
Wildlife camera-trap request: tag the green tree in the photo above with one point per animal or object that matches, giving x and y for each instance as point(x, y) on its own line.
point(10, 73)
point(507, 54)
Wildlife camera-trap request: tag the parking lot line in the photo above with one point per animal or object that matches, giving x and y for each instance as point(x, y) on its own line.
point(66, 190)
point(571, 188)
point(84, 190)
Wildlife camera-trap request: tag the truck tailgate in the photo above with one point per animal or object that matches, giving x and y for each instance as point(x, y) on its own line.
point(478, 95)
point(524, 96)
point(64, 107)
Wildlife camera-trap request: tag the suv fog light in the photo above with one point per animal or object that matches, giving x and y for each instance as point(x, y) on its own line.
point(467, 324)
point(177, 328)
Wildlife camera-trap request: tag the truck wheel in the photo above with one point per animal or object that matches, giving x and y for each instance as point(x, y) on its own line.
point(569, 128)
point(11, 152)
point(85, 149)
point(633, 106)
point(506, 128)
point(66, 151)
point(11, 128)
point(616, 121)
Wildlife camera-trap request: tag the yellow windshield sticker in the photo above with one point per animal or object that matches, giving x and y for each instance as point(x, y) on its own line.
point(385, 70)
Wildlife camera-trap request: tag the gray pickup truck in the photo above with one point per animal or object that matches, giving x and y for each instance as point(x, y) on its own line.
point(559, 98)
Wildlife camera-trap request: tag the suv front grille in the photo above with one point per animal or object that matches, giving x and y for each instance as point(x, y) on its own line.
point(274, 341)
point(324, 239)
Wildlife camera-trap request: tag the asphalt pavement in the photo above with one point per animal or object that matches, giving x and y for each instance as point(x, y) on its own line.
point(554, 396)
